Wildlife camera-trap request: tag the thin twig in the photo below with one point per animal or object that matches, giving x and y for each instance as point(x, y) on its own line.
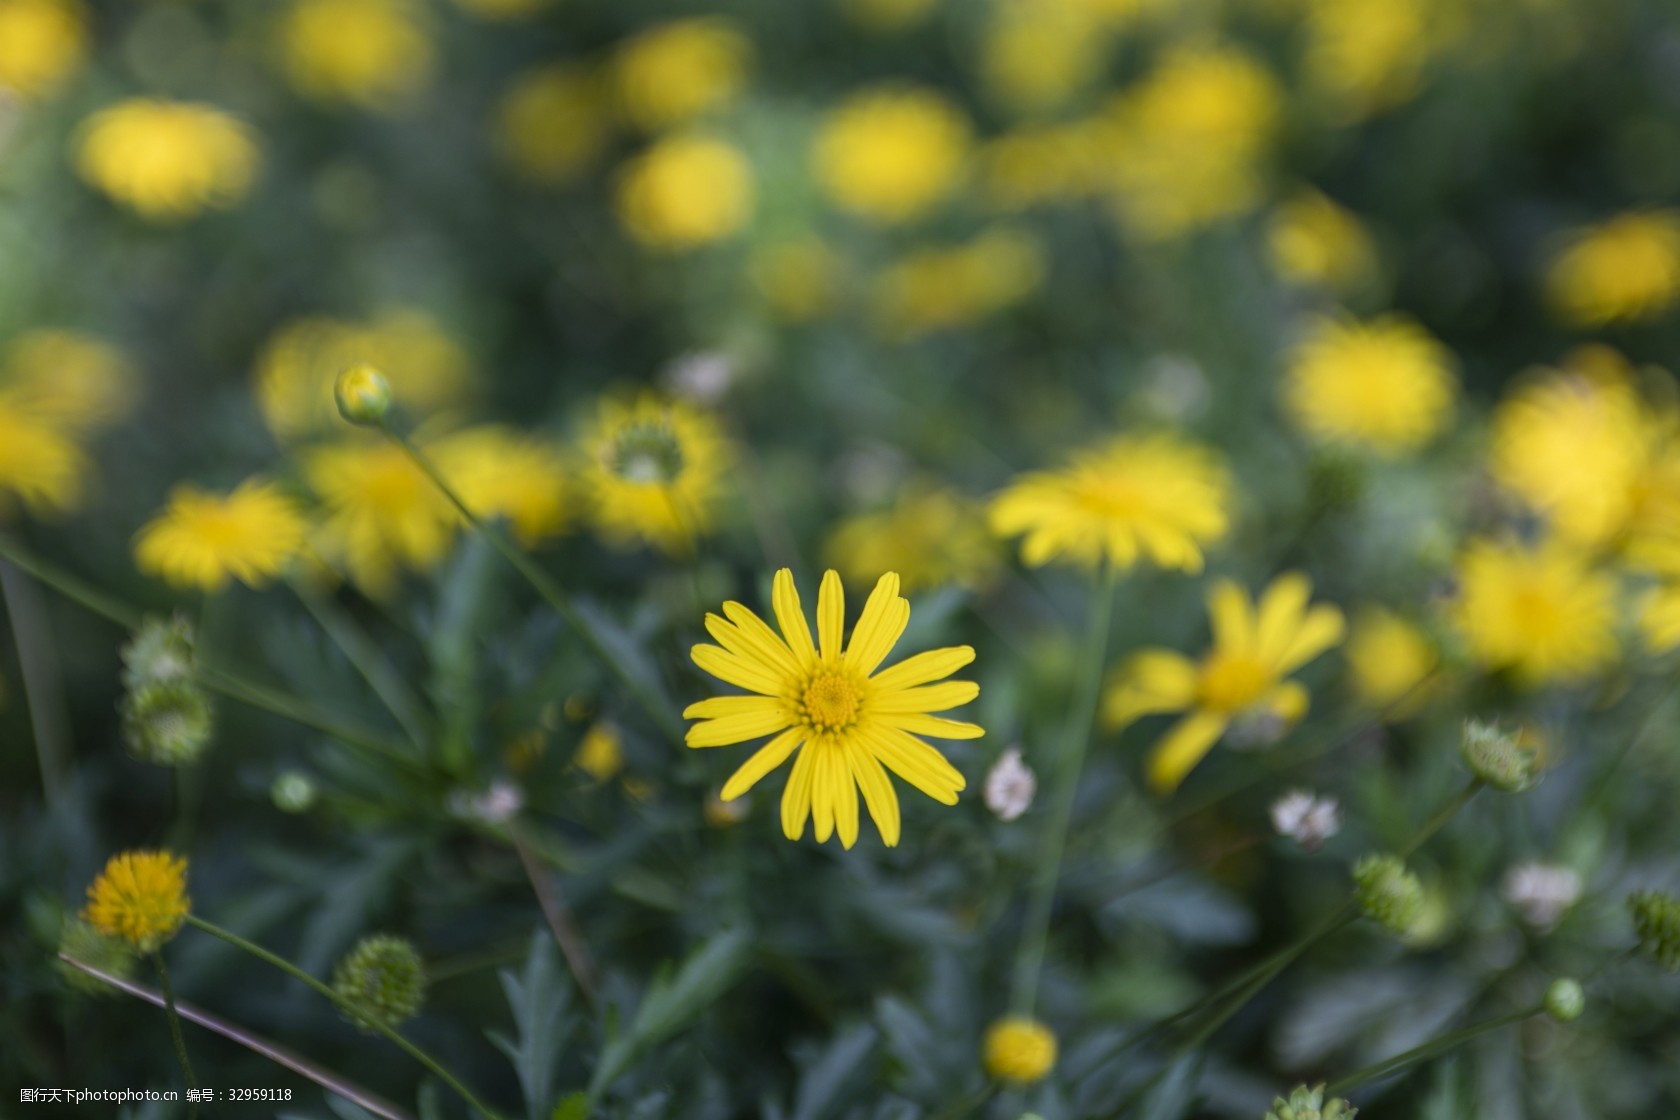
point(566, 935)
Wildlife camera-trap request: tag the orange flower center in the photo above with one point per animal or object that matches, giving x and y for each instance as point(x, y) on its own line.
point(831, 701)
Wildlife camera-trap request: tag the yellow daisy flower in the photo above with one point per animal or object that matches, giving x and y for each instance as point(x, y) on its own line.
point(40, 465)
point(1311, 240)
point(673, 72)
point(653, 472)
point(499, 472)
point(370, 53)
point(853, 723)
point(892, 154)
point(1540, 611)
point(684, 192)
point(1386, 385)
point(41, 42)
point(202, 539)
point(1159, 498)
point(167, 160)
point(931, 537)
point(1625, 270)
point(1364, 56)
point(382, 512)
point(1241, 682)
point(140, 897)
point(1390, 659)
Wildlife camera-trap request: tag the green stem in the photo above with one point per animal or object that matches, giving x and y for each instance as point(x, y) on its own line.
point(1029, 962)
point(368, 660)
point(43, 685)
point(1442, 815)
point(175, 1031)
point(70, 587)
point(544, 585)
point(297, 973)
point(1429, 1049)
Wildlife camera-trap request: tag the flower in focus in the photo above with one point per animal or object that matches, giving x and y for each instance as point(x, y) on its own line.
point(600, 754)
point(552, 123)
point(1018, 1049)
point(890, 154)
point(799, 279)
point(381, 512)
point(931, 537)
point(140, 897)
point(368, 53)
point(1158, 497)
point(848, 723)
point(1010, 786)
point(936, 289)
point(1541, 892)
point(380, 981)
point(1313, 241)
point(1388, 891)
point(1625, 270)
point(1365, 56)
point(676, 71)
point(684, 192)
point(1540, 611)
point(203, 539)
point(1390, 660)
point(1241, 681)
point(1386, 385)
point(500, 472)
point(41, 43)
point(653, 472)
point(167, 160)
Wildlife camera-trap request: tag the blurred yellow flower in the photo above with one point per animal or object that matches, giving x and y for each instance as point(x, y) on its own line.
point(500, 472)
point(299, 365)
point(41, 465)
point(892, 153)
point(1160, 498)
point(553, 124)
point(502, 9)
point(1042, 163)
point(799, 279)
point(1364, 56)
point(1386, 385)
point(202, 540)
point(167, 160)
point(1036, 55)
point(884, 16)
point(685, 191)
point(1625, 270)
point(935, 289)
point(1541, 611)
point(854, 724)
point(1313, 241)
point(600, 754)
point(68, 379)
point(653, 472)
point(675, 71)
point(367, 53)
point(1390, 659)
point(41, 43)
point(381, 513)
point(140, 897)
point(930, 536)
point(1187, 144)
point(1018, 1049)
point(1241, 684)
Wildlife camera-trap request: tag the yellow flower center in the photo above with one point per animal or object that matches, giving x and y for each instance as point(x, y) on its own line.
point(831, 701)
point(1231, 682)
point(1110, 496)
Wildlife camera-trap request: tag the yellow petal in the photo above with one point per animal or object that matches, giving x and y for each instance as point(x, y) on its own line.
point(1154, 680)
point(918, 723)
point(845, 796)
point(719, 706)
point(784, 597)
point(764, 760)
point(750, 632)
point(923, 667)
point(1322, 629)
point(1281, 608)
point(877, 789)
point(1181, 748)
point(831, 616)
point(1233, 619)
point(928, 698)
point(882, 623)
point(735, 670)
point(796, 798)
point(1288, 701)
point(823, 783)
point(738, 728)
point(916, 762)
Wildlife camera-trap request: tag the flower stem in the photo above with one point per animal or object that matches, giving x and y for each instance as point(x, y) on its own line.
point(368, 660)
point(297, 973)
point(43, 686)
point(1430, 1049)
point(543, 584)
point(1029, 962)
point(175, 1032)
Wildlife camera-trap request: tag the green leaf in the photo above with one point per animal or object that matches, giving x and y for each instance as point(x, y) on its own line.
point(1175, 1092)
point(825, 1082)
point(540, 999)
point(572, 1107)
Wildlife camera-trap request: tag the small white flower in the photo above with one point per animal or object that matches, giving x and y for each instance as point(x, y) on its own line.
point(1010, 785)
point(702, 377)
point(1541, 892)
point(496, 805)
point(1307, 819)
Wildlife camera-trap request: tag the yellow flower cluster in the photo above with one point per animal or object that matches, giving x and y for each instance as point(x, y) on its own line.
point(167, 160)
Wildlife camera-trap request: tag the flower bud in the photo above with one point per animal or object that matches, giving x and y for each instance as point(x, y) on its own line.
point(363, 395)
point(168, 722)
point(380, 981)
point(110, 955)
point(160, 650)
point(1019, 1049)
point(1565, 1000)
point(1498, 757)
point(293, 791)
point(1308, 1103)
point(1388, 891)
point(1656, 921)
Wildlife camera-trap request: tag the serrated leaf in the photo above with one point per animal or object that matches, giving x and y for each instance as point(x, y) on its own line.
point(539, 998)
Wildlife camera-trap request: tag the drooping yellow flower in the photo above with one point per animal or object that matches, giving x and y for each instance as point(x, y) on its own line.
point(41, 465)
point(41, 43)
point(381, 512)
point(799, 279)
point(203, 539)
point(367, 53)
point(1241, 684)
point(299, 365)
point(1390, 660)
point(1019, 1049)
point(936, 289)
point(167, 160)
point(553, 123)
point(1541, 611)
point(930, 536)
point(69, 379)
point(140, 897)
point(1364, 56)
point(1313, 241)
point(673, 72)
point(890, 154)
point(848, 723)
point(600, 754)
point(684, 192)
point(1385, 385)
point(499, 472)
point(1625, 270)
point(653, 472)
point(1158, 498)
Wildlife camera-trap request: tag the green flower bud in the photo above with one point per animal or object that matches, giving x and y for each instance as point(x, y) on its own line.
point(1388, 891)
point(160, 650)
point(363, 395)
point(1656, 920)
point(108, 954)
point(1498, 757)
point(168, 722)
point(1306, 1103)
point(293, 792)
point(1565, 1000)
point(380, 981)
